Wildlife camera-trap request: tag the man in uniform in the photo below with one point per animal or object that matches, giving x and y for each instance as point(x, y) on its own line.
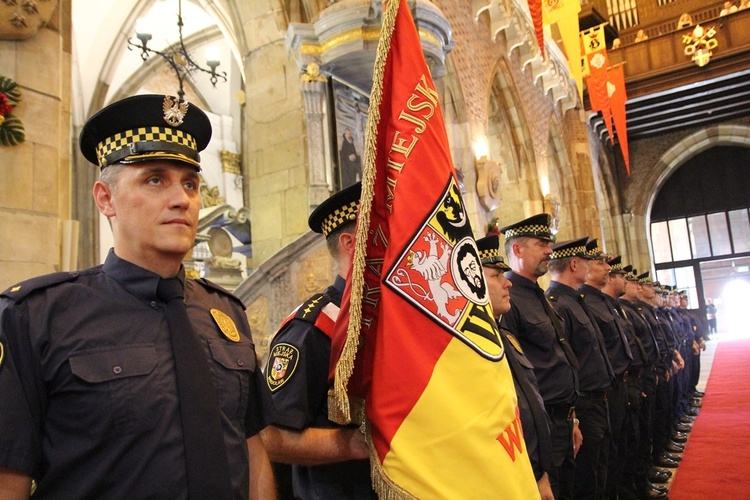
point(534, 419)
point(644, 334)
point(329, 460)
point(569, 266)
point(537, 327)
point(128, 380)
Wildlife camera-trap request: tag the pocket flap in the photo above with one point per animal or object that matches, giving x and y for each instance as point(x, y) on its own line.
point(110, 363)
point(235, 356)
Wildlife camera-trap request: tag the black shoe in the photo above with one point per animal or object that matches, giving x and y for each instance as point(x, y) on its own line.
point(687, 419)
point(661, 470)
point(683, 427)
point(659, 487)
point(652, 493)
point(679, 437)
point(672, 456)
point(692, 412)
point(673, 447)
point(696, 403)
point(659, 477)
point(665, 462)
point(698, 394)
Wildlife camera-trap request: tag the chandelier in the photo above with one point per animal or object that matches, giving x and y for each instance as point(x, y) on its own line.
point(177, 55)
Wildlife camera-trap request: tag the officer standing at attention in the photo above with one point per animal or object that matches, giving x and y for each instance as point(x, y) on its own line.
point(128, 380)
point(328, 460)
point(534, 420)
point(539, 331)
point(620, 357)
point(569, 266)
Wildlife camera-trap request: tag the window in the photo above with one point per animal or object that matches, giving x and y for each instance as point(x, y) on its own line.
point(660, 240)
point(740, 225)
point(699, 241)
point(717, 224)
point(678, 234)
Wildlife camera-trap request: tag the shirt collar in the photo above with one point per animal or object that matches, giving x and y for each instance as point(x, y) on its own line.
point(139, 281)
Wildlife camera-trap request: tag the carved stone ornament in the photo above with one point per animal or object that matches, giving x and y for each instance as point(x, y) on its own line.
point(489, 177)
point(21, 19)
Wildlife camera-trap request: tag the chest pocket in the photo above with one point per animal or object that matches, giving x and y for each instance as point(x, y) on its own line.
point(122, 380)
point(540, 329)
point(234, 368)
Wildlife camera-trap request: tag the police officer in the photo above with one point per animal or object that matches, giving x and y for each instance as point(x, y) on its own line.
point(128, 380)
point(539, 331)
point(568, 267)
point(644, 334)
point(329, 460)
point(534, 419)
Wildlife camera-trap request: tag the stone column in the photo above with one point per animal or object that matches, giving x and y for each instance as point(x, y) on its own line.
point(313, 86)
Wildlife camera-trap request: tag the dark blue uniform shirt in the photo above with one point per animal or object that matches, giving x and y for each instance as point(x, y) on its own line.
point(88, 390)
point(642, 330)
point(300, 397)
point(584, 337)
point(615, 339)
point(534, 330)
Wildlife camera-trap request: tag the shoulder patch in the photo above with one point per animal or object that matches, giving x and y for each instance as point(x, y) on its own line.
point(226, 325)
point(20, 291)
point(282, 363)
point(213, 286)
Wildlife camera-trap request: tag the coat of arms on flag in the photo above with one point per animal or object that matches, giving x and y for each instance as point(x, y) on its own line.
point(440, 273)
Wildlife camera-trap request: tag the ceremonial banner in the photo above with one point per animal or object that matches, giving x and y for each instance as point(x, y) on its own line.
point(617, 98)
point(565, 14)
point(415, 338)
point(596, 54)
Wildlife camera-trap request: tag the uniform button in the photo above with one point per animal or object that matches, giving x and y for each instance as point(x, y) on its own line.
point(117, 369)
point(153, 303)
point(240, 362)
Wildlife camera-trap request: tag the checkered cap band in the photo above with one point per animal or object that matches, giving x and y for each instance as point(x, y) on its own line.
point(595, 253)
point(568, 252)
point(145, 140)
point(490, 253)
point(631, 277)
point(616, 268)
point(537, 230)
point(339, 217)
point(645, 281)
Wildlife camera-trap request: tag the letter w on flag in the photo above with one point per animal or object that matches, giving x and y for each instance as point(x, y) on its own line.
point(416, 354)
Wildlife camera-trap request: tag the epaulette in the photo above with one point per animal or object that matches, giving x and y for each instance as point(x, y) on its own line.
point(310, 309)
point(213, 286)
point(20, 291)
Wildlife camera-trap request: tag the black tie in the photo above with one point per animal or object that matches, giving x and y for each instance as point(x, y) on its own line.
point(569, 354)
point(205, 450)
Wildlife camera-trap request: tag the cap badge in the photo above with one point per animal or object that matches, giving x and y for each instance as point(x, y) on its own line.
point(226, 325)
point(174, 110)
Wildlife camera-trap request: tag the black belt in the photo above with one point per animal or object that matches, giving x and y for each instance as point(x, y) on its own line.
point(622, 377)
point(636, 372)
point(565, 411)
point(596, 395)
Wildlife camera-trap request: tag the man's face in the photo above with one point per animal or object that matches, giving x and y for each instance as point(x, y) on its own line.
point(581, 269)
point(534, 254)
point(647, 292)
point(154, 208)
point(499, 288)
point(617, 282)
point(632, 290)
point(598, 274)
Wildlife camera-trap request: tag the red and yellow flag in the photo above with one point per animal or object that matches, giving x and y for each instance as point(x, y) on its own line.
point(617, 98)
point(564, 13)
point(595, 48)
point(416, 340)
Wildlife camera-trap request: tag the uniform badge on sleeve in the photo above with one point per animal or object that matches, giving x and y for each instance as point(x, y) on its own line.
point(226, 325)
point(282, 362)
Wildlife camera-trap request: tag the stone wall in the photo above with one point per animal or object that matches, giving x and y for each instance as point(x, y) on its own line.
point(35, 194)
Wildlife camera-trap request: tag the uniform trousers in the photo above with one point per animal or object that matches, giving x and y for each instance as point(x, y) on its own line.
point(562, 475)
point(627, 486)
point(662, 419)
point(591, 462)
point(644, 461)
point(618, 405)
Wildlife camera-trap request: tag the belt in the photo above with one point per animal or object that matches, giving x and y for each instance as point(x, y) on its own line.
point(622, 377)
point(596, 395)
point(636, 372)
point(565, 411)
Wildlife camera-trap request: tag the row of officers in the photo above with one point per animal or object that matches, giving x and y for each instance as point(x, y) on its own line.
point(605, 364)
point(127, 380)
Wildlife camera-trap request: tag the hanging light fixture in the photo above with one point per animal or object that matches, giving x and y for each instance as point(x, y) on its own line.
point(177, 55)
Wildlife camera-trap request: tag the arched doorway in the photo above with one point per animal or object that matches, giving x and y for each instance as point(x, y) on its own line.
point(700, 229)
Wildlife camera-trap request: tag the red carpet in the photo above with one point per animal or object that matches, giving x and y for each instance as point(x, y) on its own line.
point(717, 456)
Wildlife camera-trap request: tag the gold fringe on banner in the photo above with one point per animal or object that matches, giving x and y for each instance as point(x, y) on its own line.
point(341, 412)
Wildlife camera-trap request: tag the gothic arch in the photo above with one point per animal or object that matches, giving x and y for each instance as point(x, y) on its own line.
point(562, 189)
